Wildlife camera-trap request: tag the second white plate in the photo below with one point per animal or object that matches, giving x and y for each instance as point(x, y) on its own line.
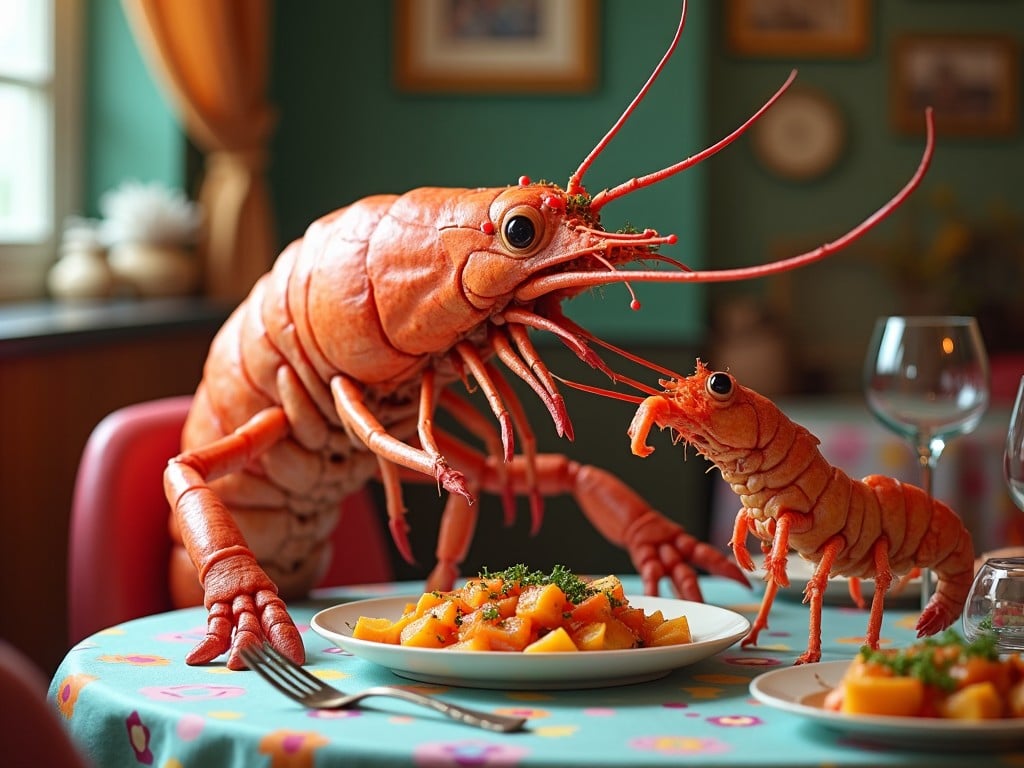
point(799, 690)
point(714, 629)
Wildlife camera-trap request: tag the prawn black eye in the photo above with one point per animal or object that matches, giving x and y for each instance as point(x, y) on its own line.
point(522, 230)
point(720, 385)
point(519, 232)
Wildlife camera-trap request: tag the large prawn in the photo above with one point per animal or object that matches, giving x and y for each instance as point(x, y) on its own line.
point(792, 498)
point(330, 372)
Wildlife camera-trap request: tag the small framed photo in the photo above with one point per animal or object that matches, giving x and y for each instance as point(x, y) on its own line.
point(496, 46)
point(971, 82)
point(798, 28)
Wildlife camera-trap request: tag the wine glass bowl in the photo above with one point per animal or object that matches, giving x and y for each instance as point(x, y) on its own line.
point(995, 604)
point(927, 379)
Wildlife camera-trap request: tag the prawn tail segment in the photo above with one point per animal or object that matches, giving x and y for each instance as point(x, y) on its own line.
point(948, 550)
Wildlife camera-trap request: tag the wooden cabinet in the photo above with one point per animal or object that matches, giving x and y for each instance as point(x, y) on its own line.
point(62, 369)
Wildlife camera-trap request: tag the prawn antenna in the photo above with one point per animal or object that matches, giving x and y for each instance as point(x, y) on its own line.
point(605, 197)
point(635, 399)
point(575, 185)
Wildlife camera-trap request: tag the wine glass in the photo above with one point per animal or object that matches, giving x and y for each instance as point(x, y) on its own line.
point(927, 379)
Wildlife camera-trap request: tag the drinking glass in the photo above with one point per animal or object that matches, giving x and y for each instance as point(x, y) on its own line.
point(927, 379)
point(995, 604)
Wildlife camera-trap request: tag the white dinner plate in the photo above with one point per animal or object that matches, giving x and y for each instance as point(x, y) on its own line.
point(838, 590)
point(800, 690)
point(714, 629)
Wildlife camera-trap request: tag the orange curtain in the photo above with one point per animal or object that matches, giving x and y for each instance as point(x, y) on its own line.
point(211, 57)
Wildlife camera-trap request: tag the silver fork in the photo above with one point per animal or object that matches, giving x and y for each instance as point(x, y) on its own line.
point(310, 691)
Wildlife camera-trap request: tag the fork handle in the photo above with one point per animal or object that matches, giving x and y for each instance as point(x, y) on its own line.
point(486, 720)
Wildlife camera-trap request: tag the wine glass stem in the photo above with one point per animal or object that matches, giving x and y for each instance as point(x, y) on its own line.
point(927, 458)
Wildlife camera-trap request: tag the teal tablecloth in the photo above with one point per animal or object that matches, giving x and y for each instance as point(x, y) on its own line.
point(129, 699)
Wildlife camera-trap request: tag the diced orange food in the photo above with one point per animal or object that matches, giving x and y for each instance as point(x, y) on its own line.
point(618, 637)
point(377, 630)
point(876, 695)
point(509, 634)
point(557, 641)
point(476, 592)
point(633, 618)
point(976, 701)
point(651, 622)
point(426, 632)
point(589, 636)
point(936, 677)
point(597, 607)
point(671, 632)
point(543, 605)
point(469, 644)
point(519, 610)
point(427, 601)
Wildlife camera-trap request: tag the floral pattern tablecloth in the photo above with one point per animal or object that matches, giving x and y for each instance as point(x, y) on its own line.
point(129, 699)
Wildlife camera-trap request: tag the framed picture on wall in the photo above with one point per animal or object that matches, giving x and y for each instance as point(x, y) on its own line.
point(971, 82)
point(496, 46)
point(798, 28)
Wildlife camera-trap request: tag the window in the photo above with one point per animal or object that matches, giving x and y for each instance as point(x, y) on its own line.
point(39, 137)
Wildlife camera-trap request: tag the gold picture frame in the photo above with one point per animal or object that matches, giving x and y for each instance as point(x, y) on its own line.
point(799, 28)
point(508, 46)
point(971, 82)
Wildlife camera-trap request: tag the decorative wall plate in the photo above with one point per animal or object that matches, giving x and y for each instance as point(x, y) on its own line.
point(801, 137)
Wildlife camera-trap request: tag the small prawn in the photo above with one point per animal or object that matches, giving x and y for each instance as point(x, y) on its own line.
point(793, 498)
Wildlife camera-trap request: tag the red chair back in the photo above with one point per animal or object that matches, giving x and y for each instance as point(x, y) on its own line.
point(119, 544)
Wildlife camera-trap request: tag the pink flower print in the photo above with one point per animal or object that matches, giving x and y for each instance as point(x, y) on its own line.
point(464, 754)
point(679, 745)
point(735, 721)
point(191, 692)
point(135, 659)
point(138, 737)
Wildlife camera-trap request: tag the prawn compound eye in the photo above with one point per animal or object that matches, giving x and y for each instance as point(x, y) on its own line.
point(522, 230)
point(720, 385)
point(519, 232)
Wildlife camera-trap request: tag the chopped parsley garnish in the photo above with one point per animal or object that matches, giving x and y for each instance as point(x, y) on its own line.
point(575, 589)
point(490, 612)
point(932, 659)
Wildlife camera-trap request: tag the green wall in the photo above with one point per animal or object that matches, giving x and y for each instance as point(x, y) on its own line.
point(750, 207)
point(130, 130)
point(828, 309)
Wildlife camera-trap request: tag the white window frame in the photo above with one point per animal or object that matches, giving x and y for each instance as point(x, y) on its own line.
point(23, 266)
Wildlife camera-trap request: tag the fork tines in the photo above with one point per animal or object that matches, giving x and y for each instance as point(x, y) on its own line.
point(280, 671)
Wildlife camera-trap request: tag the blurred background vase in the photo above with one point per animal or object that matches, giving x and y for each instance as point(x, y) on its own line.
point(151, 231)
point(155, 269)
point(82, 271)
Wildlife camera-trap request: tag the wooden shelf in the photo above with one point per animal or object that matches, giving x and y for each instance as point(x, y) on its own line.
point(62, 369)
